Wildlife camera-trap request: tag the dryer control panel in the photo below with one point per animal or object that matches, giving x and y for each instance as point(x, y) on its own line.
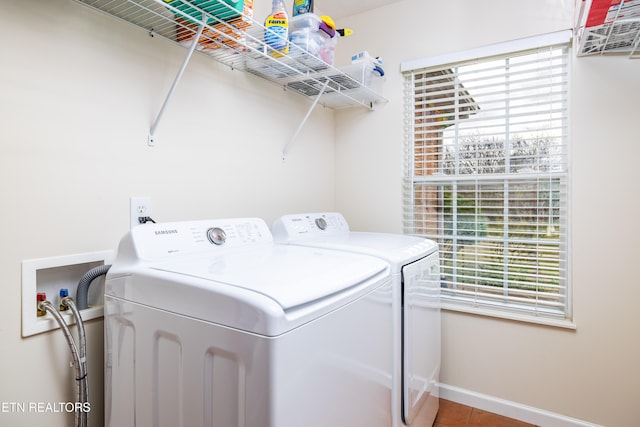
point(309, 225)
point(163, 240)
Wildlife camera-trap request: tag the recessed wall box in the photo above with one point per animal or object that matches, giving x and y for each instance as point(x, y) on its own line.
point(49, 275)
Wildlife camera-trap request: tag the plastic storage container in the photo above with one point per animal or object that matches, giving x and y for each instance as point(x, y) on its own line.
point(225, 10)
point(304, 32)
point(366, 74)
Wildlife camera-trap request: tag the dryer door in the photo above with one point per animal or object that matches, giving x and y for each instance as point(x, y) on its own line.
point(421, 339)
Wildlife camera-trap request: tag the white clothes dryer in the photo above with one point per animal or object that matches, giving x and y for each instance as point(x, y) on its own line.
point(210, 323)
point(415, 304)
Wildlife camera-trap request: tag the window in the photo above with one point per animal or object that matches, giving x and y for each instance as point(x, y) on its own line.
point(486, 176)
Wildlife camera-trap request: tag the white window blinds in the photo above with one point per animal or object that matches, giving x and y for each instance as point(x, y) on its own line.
point(487, 171)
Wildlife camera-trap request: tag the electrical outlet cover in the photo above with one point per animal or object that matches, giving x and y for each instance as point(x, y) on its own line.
point(139, 207)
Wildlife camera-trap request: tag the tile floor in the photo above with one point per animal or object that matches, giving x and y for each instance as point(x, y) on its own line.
point(453, 414)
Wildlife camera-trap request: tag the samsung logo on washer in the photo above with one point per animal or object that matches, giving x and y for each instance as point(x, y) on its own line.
point(161, 232)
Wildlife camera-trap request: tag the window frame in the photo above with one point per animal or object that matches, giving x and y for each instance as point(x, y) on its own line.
point(455, 302)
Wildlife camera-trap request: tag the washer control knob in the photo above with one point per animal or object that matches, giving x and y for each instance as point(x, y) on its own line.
point(321, 223)
point(216, 235)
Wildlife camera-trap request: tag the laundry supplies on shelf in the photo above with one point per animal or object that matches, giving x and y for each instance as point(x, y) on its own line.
point(244, 49)
point(309, 32)
point(230, 34)
point(276, 33)
point(302, 6)
point(220, 9)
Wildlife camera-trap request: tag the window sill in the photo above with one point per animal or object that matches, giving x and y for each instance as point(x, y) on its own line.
point(479, 311)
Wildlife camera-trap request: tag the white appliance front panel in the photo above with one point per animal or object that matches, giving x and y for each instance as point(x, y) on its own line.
point(421, 340)
point(416, 360)
point(168, 370)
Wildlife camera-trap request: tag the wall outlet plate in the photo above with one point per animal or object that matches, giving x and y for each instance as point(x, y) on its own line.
point(139, 207)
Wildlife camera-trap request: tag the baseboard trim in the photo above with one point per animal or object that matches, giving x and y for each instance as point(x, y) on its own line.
point(510, 409)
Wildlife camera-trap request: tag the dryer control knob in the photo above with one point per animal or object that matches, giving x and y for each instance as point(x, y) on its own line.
point(216, 235)
point(321, 223)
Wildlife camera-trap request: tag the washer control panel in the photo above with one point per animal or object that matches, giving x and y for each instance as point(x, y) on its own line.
point(161, 240)
point(309, 225)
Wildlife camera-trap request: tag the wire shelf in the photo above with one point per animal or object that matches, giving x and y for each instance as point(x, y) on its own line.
point(239, 44)
point(608, 27)
point(620, 37)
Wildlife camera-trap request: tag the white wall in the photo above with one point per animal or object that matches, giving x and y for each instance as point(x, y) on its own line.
point(591, 373)
point(79, 91)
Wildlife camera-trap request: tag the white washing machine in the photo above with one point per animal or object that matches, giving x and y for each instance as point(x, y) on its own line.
point(210, 323)
point(415, 304)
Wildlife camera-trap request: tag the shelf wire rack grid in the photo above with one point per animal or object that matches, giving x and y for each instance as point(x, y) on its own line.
point(620, 37)
point(239, 43)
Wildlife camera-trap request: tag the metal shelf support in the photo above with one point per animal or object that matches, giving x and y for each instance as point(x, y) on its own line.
point(304, 120)
point(152, 141)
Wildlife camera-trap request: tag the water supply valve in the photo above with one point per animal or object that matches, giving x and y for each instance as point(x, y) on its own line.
point(64, 292)
point(40, 296)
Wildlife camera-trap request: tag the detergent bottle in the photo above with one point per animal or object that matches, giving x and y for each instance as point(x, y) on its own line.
point(302, 6)
point(277, 29)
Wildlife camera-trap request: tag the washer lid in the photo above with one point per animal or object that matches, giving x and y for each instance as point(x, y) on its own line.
point(289, 275)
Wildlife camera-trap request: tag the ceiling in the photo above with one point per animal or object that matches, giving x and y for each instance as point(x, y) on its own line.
point(341, 8)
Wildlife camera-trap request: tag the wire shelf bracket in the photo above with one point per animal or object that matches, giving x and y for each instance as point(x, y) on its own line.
point(152, 140)
point(304, 120)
